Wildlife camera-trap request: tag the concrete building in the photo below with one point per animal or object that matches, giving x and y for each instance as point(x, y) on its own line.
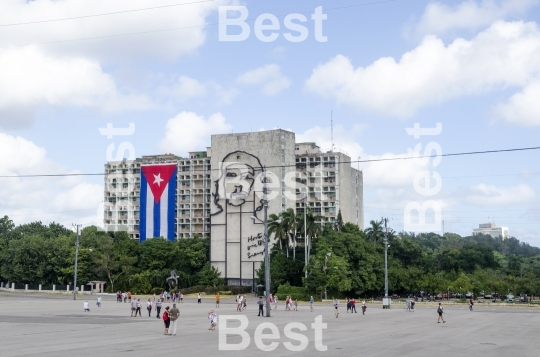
point(122, 194)
point(332, 184)
point(220, 192)
point(492, 230)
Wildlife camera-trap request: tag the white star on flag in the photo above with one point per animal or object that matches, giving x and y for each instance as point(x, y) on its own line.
point(158, 179)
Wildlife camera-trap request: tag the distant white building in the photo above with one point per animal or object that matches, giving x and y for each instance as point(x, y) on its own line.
point(492, 230)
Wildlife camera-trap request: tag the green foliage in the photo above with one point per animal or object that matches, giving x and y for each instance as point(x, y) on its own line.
point(294, 292)
point(35, 253)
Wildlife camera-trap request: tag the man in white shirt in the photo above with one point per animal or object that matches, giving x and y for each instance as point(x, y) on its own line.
point(86, 307)
point(213, 320)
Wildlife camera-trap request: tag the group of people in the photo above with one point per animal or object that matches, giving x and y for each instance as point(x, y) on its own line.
point(241, 303)
point(123, 296)
point(173, 297)
point(351, 306)
point(410, 302)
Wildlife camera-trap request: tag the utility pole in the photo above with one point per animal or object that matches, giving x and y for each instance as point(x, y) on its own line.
point(385, 258)
point(266, 255)
point(305, 240)
point(76, 257)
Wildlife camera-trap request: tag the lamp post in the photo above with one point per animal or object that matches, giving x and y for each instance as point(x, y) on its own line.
point(76, 258)
point(385, 258)
point(304, 200)
point(266, 253)
point(324, 268)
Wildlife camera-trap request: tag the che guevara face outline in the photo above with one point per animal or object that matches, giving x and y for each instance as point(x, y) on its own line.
point(236, 179)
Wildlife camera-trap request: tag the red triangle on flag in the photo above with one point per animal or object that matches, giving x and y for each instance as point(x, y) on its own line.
point(158, 177)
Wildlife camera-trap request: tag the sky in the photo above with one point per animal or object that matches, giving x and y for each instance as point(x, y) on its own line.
point(69, 68)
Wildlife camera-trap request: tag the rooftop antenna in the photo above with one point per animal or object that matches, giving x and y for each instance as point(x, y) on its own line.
point(332, 130)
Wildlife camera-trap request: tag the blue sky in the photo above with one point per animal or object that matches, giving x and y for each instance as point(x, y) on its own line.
point(473, 66)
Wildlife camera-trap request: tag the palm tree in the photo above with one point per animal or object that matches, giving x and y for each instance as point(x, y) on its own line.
point(277, 229)
point(375, 233)
point(314, 228)
point(290, 224)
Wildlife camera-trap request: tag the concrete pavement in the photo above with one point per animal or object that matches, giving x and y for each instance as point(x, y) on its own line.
point(44, 325)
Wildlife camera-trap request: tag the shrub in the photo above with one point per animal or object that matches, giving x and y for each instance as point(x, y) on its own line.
point(233, 290)
point(295, 292)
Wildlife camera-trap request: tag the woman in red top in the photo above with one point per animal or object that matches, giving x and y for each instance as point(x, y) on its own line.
point(166, 320)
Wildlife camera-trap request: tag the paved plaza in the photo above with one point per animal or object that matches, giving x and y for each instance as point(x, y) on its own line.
point(46, 325)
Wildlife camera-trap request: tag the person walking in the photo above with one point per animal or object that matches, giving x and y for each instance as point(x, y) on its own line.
point(244, 302)
point(199, 298)
point(440, 311)
point(149, 307)
point(217, 299)
point(471, 304)
point(348, 305)
point(166, 320)
point(138, 307)
point(213, 320)
point(412, 305)
point(86, 306)
point(174, 314)
point(311, 301)
point(239, 304)
point(353, 305)
point(364, 307)
point(275, 301)
point(261, 304)
point(336, 307)
point(133, 308)
point(158, 307)
point(98, 302)
point(408, 304)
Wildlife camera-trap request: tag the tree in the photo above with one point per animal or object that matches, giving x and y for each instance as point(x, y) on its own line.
point(276, 229)
point(339, 221)
point(375, 233)
point(290, 225)
point(209, 276)
point(114, 260)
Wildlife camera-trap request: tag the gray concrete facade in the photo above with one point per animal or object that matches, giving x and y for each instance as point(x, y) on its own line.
point(240, 164)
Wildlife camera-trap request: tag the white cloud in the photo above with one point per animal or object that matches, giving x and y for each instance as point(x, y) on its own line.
point(187, 88)
point(188, 131)
point(433, 73)
point(439, 18)
point(46, 199)
point(188, 20)
point(269, 77)
point(522, 108)
point(30, 78)
point(489, 196)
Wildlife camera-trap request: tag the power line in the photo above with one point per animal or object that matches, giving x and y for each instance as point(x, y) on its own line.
point(295, 165)
point(104, 14)
point(182, 27)
point(468, 176)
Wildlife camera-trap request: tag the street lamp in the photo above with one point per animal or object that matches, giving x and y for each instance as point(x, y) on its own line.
point(76, 257)
point(328, 255)
point(304, 200)
point(266, 255)
point(386, 258)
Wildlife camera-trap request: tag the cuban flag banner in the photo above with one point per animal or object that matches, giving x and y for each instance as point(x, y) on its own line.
point(158, 201)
